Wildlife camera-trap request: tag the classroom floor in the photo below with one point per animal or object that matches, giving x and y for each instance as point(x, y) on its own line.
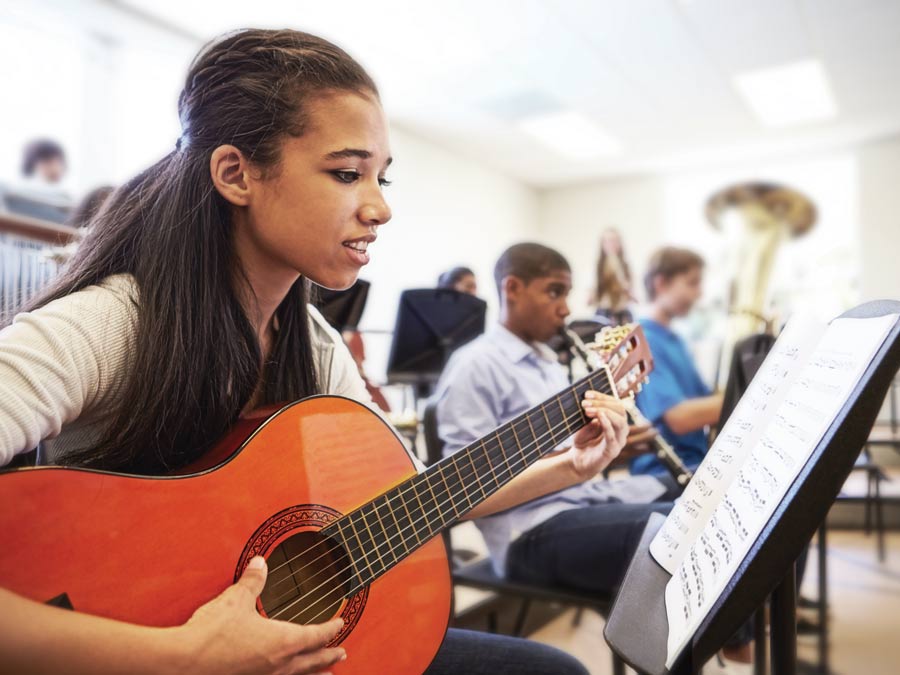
point(864, 600)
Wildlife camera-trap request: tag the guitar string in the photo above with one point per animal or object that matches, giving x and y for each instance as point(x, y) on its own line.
point(523, 460)
point(450, 496)
point(557, 398)
point(537, 455)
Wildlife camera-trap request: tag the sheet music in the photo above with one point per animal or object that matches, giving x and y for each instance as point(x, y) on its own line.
point(768, 387)
point(779, 450)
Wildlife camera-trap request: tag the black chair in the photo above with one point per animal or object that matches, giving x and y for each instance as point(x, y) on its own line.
point(480, 574)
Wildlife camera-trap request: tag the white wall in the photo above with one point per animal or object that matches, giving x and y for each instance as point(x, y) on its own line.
point(879, 174)
point(572, 218)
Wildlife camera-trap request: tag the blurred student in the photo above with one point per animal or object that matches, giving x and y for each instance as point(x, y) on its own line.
point(44, 162)
point(460, 279)
point(675, 400)
point(582, 532)
point(612, 293)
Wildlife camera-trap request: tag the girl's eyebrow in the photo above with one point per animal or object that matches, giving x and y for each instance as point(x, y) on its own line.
point(354, 152)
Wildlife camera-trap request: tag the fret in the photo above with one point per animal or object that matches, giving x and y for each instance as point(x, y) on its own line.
point(540, 430)
point(458, 485)
point(490, 464)
point(475, 473)
point(532, 443)
point(512, 427)
point(497, 456)
point(582, 418)
point(565, 417)
point(482, 463)
point(556, 421)
point(404, 523)
point(448, 507)
point(440, 503)
point(513, 453)
point(389, 524)
point(537, 441)
point(362, 515)
point(351, 545)
point(549, 431)
point(525, 435)
point(413, 530)
point(426, 497)
point(449, 501)
point(508, 444)
point(424, 512)
point(363, 549)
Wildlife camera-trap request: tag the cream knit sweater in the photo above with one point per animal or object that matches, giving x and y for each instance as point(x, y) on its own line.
point(62, 367)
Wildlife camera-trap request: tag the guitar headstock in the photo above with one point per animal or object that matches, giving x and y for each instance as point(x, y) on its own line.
point(625, 350)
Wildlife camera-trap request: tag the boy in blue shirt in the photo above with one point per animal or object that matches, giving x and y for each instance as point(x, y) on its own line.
point(675, 400)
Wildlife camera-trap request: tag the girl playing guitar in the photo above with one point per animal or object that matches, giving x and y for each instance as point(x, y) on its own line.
point(186, 306)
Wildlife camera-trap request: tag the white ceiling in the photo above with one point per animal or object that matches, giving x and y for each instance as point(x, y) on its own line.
point(656, 74)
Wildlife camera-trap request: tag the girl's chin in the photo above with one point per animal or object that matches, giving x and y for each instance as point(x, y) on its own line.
point(335, 282)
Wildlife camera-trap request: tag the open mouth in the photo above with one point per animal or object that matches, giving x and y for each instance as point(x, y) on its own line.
point(357, 249)
point(359, 246)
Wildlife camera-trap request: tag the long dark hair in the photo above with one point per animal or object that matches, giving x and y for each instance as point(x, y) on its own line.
point(607, 280)
point(196, 360)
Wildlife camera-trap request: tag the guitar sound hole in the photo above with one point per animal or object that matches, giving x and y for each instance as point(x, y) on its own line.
point(309, 577)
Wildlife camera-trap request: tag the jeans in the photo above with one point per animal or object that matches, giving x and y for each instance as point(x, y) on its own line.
point(588, 549)
point(466, 652)
point(585, 549)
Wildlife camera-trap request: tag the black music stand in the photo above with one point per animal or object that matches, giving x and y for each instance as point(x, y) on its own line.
point(343, 309)
point(431, 324)
point(637, 629)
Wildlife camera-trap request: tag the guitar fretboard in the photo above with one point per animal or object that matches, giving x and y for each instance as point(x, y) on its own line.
point(382, 532)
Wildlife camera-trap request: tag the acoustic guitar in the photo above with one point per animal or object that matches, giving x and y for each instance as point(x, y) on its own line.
point(322, 488)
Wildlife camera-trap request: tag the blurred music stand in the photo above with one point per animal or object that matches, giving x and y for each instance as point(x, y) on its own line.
point(431, 324)
point(637, 629)
point(343, 309)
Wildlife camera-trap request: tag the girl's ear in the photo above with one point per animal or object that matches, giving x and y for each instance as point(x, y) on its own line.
point(230, 173)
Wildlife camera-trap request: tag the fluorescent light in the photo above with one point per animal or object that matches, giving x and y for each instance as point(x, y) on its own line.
point(570, 134)
point(789, 94)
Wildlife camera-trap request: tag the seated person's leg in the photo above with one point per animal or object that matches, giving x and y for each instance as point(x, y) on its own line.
point(474, 653)
point(587, 548)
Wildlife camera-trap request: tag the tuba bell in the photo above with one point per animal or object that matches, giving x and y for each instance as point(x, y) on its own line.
point(767, 214)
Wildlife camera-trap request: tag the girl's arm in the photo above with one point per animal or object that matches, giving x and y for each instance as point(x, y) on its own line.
point(226, 635)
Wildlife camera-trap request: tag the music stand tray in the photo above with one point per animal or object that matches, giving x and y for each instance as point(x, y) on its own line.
point(637, 629)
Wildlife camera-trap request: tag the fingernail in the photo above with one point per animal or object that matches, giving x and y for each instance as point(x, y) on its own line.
point(257, 563)
point(343, 657)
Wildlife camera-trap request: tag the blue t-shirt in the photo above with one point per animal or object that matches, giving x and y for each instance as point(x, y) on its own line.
point(674, 379)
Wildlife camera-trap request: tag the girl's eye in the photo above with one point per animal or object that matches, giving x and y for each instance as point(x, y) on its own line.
point(346, 176)
point(384, 182)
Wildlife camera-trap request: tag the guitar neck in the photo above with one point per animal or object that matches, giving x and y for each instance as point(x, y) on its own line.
point(384, 531)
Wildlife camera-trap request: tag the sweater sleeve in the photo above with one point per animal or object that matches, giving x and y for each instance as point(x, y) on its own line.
point(61, 360)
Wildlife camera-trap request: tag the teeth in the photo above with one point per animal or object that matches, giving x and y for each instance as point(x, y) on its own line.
point(360, 246)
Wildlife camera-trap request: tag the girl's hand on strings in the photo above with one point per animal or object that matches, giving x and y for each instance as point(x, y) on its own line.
point(228, 635)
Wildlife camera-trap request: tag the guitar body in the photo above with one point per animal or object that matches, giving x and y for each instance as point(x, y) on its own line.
point(152, 550)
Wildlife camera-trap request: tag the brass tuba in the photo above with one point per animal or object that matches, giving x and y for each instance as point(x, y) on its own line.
point(767, 213)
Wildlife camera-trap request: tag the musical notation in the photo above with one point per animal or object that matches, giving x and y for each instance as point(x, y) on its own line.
point(771, 435)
